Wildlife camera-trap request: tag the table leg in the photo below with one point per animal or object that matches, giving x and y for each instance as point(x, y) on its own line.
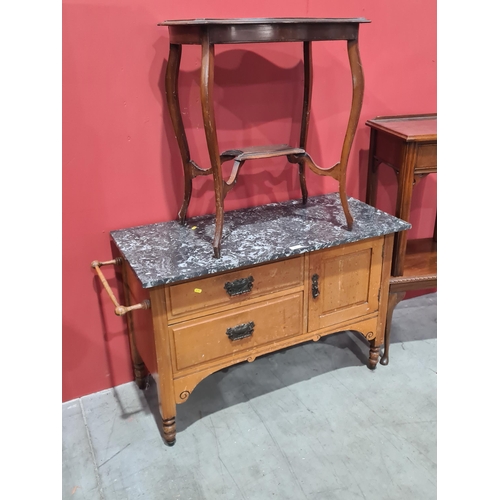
point(172, 94)
point(371, 183)
point(140, 370)
point(166, 393)
point(394, 300)
point(403, 205)
point(207, 106)
point(306, 112)
point(374, 354)
point(358, 84)
point(169, 431)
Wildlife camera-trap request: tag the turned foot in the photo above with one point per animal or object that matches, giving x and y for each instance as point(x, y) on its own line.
point(169, 431)
point(374, 355)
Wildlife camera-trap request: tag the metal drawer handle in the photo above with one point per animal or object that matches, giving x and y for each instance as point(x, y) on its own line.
point(315, 286)
point(240, 331)
point(119, 309)
point(237, 287)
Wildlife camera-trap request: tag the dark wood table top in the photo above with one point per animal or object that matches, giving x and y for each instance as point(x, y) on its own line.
point(411, 128)
point(260, 30)
point(262, 20)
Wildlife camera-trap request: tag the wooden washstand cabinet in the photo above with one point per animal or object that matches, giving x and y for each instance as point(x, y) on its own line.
point(289, 274)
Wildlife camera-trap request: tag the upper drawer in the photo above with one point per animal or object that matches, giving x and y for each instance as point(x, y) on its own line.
point(234, 287)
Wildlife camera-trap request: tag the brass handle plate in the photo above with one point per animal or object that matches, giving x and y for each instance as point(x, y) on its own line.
point(240, 286)
point(315, 286)
point(242, 331)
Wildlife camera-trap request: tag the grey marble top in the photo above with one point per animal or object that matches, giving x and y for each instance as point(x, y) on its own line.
point(167, 252)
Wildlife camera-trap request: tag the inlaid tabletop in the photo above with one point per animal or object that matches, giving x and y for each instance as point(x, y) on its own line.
point(167, 252)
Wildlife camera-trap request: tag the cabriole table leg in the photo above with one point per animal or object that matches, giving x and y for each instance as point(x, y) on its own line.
point(172, 95)
point(207, 105)
point(306, 112)
point(358, 86)
point(394, 300)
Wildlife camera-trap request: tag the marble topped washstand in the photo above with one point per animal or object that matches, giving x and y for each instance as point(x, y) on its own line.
point(289, 273)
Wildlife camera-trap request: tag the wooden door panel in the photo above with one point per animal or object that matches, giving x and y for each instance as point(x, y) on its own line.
point(348, 282)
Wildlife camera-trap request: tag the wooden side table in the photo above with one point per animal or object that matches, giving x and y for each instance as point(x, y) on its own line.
point(208, 33)
point(407, 144)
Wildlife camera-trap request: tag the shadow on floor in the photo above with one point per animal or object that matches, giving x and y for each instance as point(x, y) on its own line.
point(279, 369)
point(244, 381)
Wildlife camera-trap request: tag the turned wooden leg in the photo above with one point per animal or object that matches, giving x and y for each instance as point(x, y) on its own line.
point(169, 430)
point(166, 394)
point(172, 95)
point(207, 106)
point(374, 354)
point(394, 299)
point(140, 375)
point(140, 370)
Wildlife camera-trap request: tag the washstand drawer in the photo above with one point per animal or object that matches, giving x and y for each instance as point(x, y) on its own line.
point(234, 287)
point(224, 334)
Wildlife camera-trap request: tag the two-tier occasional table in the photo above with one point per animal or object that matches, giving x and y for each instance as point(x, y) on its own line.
point(289, 273)
point(407, 144)
point(208, 33)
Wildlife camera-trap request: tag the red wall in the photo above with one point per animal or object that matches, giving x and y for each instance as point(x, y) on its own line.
point(121, 166)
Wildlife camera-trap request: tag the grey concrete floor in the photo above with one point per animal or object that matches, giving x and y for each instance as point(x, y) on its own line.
point(311, 422)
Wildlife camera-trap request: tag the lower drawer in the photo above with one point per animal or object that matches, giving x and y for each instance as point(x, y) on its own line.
point(203, 340)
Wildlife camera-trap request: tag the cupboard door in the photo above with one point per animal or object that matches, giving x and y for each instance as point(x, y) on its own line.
point(344, 283)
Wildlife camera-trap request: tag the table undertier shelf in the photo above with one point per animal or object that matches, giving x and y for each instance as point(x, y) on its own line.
point(260, 152)
point(420, 269)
